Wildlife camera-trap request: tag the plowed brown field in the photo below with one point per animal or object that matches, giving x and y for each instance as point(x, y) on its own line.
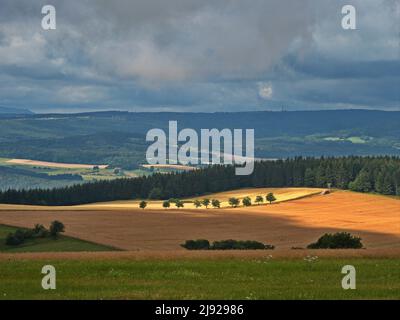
point(294, 223)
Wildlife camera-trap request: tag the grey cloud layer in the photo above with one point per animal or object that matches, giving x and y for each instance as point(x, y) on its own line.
point(198, 55)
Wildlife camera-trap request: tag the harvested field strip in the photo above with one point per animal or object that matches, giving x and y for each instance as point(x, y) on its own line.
point(376, 219)
point(28, 162)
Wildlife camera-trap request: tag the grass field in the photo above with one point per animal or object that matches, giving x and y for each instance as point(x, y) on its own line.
point(182, 278)
point(86, 171)
point(156, 267)
point(62, 244)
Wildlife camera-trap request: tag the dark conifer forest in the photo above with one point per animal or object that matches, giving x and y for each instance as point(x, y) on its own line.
point(363, 174)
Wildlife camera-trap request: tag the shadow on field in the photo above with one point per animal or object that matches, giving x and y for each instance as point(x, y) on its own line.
point(166, 230)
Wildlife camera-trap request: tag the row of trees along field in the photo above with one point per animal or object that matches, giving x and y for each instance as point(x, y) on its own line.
point(364, 174)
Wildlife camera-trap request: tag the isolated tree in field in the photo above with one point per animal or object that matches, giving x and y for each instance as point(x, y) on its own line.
point(270, 197)
point(259, 199)
point(234, 202)
point(205, 202)
point(166, 204)
point(142, 204)
point(56, 228)
point(246, 201)
point(216, 203)
point(197, 203)
point(179, 204)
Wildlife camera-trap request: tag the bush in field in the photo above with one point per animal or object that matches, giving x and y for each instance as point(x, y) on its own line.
point(205, 202)
point(237, 245)
point(56, 228)
point(200, 244)
point(142, 204)
point(179, 203)
point(259, 199)
point(39, 231)
point(270, 197)
point(197, 203)
point(166, 204)
point(339, 240)
point(234, 202)
point(16, 238)
point(246, 201)
point(226, 245)
point(216, 203)
point(28, 233)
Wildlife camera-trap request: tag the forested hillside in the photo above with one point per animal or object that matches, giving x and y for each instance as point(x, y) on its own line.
point(16, 178)
point(118, 138)
point(364, 174)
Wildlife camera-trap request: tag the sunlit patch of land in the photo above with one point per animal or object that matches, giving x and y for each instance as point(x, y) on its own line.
point(285, 224)
point(281, 195)
point(29, 162)
point(178, 167)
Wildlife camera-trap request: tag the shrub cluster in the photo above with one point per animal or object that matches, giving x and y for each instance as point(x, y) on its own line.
point(339, 240)
point(202, 244)
point(39, 231)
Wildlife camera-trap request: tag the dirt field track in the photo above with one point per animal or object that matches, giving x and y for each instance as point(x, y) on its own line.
point(288, 224)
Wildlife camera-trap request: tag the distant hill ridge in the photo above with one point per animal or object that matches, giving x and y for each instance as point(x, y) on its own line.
point(117, 138)
point(11, 111)
point(385, 123)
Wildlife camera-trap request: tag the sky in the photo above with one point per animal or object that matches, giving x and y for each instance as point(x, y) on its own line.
point(199, 55)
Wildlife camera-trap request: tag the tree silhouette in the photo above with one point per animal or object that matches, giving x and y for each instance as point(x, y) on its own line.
point(216, 203)
point(197, 203)
point(246, 201)
point(205, 202)
point(142, 204)
point(270, 197)
point(166, 204)
point(233, 202)
point(259, 199)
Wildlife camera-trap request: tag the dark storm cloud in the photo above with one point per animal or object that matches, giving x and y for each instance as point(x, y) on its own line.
point(198, 55)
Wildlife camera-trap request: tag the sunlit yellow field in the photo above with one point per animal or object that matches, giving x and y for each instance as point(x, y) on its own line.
point(281, 194)
point(285, 224)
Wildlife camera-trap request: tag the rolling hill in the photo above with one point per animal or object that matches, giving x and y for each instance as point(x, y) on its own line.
point(14, 111)
point(118, 138)
point(288, 224)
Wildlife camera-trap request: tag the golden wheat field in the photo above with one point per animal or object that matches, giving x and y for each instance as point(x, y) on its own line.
point(281, 194)
point(286, 224)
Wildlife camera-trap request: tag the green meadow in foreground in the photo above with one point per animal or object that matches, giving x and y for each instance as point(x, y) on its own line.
point(201, 279)
point(62, 244)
